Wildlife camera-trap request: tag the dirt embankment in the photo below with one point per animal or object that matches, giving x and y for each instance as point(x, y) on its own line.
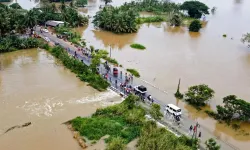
point(77, 136)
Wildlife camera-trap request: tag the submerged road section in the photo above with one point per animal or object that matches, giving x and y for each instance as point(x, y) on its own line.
point(168, 120)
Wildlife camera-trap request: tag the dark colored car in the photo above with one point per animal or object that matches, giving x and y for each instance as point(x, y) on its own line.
point(115, 72)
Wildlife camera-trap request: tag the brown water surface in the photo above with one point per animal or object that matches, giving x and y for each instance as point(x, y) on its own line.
point(35, 88)
point(204, 57)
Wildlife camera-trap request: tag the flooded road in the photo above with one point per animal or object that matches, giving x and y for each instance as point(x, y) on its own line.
point(172, 53)
point(35, 88)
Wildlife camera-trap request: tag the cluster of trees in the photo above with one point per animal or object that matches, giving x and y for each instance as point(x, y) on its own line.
point(246, 38)
point(155, 6)
point(125, 18)
point(14, 19)
point(12, 43)
point(116, 20)
point(233, 109)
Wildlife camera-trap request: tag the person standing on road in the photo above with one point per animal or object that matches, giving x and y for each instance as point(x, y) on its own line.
point(190, 129)
point(116, 83)
point(121, 74)
point(199, 134)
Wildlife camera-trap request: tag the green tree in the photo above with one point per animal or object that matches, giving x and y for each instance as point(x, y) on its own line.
point(15, 6)
point(198, 95)
point(155, 111)
point(81, 3)
point(195, 9)
point(211, 144)
point(131, 101)
point(31, 18)
point(246, 38)
point(195, 26)
point(116, 144)
point(107, 1)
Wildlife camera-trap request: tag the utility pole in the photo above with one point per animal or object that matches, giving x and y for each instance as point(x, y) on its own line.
point(110, 50)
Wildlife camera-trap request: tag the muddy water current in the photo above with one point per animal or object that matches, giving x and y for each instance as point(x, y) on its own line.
point(35, 88)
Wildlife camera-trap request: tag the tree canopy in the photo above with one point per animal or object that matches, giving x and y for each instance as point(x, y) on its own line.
point(212, 145)
point(15, 6)
point(116, 20)
point(155, 111)
point(198, 95)
point(246, 38)
point(233, 109)
point(81, 3)
point(195, 9)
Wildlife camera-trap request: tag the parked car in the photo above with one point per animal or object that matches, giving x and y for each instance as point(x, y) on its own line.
point(46, 39)
point(172, 109)
point(115, 72)
point(140, 89)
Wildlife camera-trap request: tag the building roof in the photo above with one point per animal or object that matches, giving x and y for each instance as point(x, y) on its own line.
point(53, 23)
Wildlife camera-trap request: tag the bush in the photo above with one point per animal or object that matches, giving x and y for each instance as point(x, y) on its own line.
point(12, 43)
point(138, 46)
point(116, 144)
point(212, 145)
point(82, 71)
point(134, 72)
point(195, 26)
point(117, 121)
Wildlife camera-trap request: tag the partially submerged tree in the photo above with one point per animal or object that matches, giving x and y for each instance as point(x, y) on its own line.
point(107, 1)
point(155, 111)
point(212, 145)
point(175, 20)
point(195, 9)
point(195, 26)
point(246, 38)
point(198, 95)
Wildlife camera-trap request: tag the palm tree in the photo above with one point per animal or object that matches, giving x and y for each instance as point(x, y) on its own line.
point(31, 18)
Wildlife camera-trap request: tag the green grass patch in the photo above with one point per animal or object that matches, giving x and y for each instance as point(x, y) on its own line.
point(137, 46)
point(123, 120)
point(151, 19)
point(134, 72)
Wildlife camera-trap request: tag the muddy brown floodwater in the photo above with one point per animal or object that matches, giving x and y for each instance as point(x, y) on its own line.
point(173, 53)
point(35, 88)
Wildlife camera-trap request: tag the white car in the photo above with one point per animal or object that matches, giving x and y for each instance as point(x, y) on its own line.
point(45, 30)
point(172, 109)
point(46, 39)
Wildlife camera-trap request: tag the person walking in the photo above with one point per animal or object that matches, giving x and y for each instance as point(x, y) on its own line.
point(199, 134)
point(121, 74)
point(190, 129)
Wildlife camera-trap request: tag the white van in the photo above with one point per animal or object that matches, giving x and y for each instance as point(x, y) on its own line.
point(172, 109)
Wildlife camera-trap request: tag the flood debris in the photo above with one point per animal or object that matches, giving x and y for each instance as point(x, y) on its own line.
point(18, 126)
